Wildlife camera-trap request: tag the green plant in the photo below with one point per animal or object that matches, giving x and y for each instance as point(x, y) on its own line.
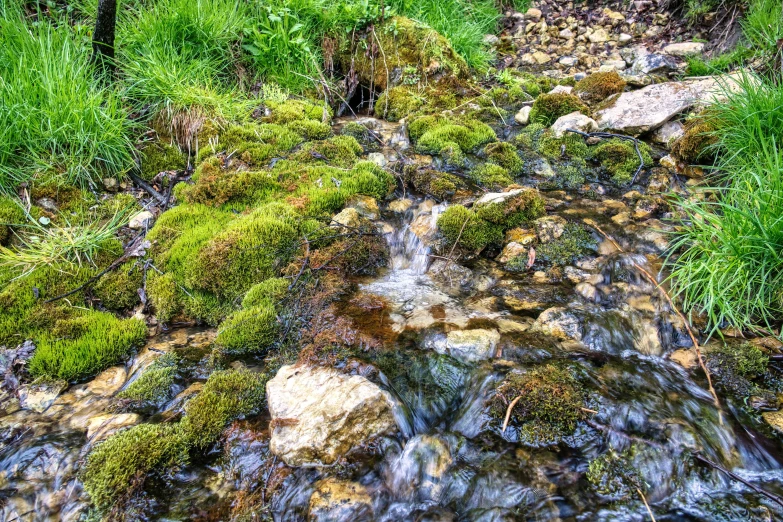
point(154, 386)
point(461, 226)
point(761, 26)
point(549, 107)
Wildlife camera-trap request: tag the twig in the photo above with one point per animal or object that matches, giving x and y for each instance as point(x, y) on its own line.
point(665, 294)
point(304, 264)
point(456, 241)
point(646, 504)
point(620, 136)
point(508, 413)
point(160, 198)
point(760, 491)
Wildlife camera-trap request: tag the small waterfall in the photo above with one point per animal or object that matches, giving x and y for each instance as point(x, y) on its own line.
point(408, 249)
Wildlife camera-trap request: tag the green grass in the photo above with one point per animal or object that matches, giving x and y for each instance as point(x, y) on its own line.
point(53, 116)
point(731, 266)
point(762, 25)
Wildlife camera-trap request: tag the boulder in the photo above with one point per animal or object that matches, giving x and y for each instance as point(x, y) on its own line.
point(319, 414)
point(335, 499)
point(575, 120)
point(684, 49)
point(142, 220)
point(467, 345)
point(647, 109)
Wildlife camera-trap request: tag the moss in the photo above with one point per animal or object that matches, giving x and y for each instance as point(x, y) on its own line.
point(575, 243)
point(599, 86)
point(505, 155)
point(339, 151)
point(398, 102)
point(549, 107)
point(737, 367)
point(154, 387)
point(118, 289)
point(549, 406)
point(293, 110)
point(83, 345)
point(492, 176)
point(620, 159)
point(568, 146)
point(310, 129)
point(250, 330)
point(440, 185)
point(68, 198)
point(158, 157)
point(361, 134)
point(227, 396)
point(460, 225)
point(162, 290)
point(118, 467)
point(252, 143)
point(432, 133)
point(273, 290)
point(451, 155)
point(11, 213)
point(698, 141)
point(122, 202)
point(569, 176)
point(352, 257)
point(405, 51)
point(530, 137)
point(514, 211)
point(215, 186)
point(612, 475)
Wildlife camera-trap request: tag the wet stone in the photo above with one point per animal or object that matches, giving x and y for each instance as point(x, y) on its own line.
point(102, 426)
point(38, 397)
point(335, 500)
point(467, 345)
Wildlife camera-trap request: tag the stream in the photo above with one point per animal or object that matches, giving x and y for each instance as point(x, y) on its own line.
point(450, 460)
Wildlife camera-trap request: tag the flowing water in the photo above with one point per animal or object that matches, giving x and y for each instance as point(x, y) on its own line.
point(451, 460)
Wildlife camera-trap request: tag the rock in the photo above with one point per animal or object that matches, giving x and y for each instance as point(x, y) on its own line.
point(523, 116)
point(613, 15)
point(685, 357)
point(774, 419)
point(550, 228)
point(142, 220)
point(377, 158)
point(420, 469)
point(38, 397)
point(668, 162)
point(47, 204)
point(587, 291)
point(498, 197)
point(366, 206)
point(510, 251)
point(622, 219)
point(565, 34)
point(575, 120)
point(647, 109)
point(453, 278)
point(544, 169)
point(467, 345)
point(102, 426)
point(400, 206)
point(110, 184)
point(653, 63)
point(335, 499)
point(348, 217)
point(568, 61)
point(668, 132)
point(684, 49)
point(319, 414)
point(559, 323)
point(108, 382)
point(599, 36)
point(491, 39)
point(541, 57)
point(624, 38)
point(612, 65)
point(533, 14)
point(564, 89)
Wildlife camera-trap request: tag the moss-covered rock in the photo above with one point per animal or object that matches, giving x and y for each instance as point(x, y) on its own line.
point(250, 330)
point(273, 289)
point(118, 467)
point(620, 159)
point(398, 102)
point(549, 406)
point(599, 86)
point(575, 243)
point(288, 111)
point(440, 185)
point(227, 396)
point(158, 157)
point(698, 141)
point(549, 107)
point(11, 213)
point(492, 176)
point(432, 134)
point(405, 52)
point(505, 155)
point(569, 146)
point(511, 209)
point(338, 151)
point(154, 386)
point(462, 226)
point(613, 475)
point(119, 289)
point(739, 368)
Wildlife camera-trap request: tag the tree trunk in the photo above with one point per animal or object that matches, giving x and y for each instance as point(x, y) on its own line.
point(103, 37)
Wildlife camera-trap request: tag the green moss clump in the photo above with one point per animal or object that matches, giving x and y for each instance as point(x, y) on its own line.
point(737, 367)
point(440, 185)
point(432, 133)
point(570, 146)
point(360, 133)
point(273, 290)
point(119, 465)
point(612, 475)
point(491, 176)
point(154, 386)
point(529, 138)
point(338, 151)
point(505, 155)
point(311, 129)
point(83, 345)
point(295, 110)
point(159, 157)
point(549, 107)
point(118, 290)
point(162, 290)
point(253, 143)
point(550, 404)
point(216, 186)
point(398, 102)
point(619, 158)
point(575, 243)
point(250, 330)
point(699, 139)
point(227, 396)
point(460, 225)
point(11, 213)
point(599, 86)
point(514, 211)
point(569, 176)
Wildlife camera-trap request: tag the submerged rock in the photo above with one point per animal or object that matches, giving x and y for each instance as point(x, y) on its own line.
point(559, 323)
point(335, 499)
point(319, 414)
point(38, 397)
point(468, 345)
point(101, 426)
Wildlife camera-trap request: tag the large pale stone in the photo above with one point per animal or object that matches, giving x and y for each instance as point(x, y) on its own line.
point(523, 116)
point(576, 121)
point(499, 197)
point(141, 220)
point(647, 109)
point(319, 414)
point(102, 426)
point(560, 323)
point(684, 49)
point(348, 217)
point(468, 345)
